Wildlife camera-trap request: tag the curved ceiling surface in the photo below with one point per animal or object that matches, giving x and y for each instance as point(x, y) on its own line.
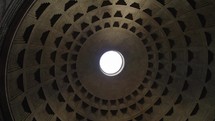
point(53, 71)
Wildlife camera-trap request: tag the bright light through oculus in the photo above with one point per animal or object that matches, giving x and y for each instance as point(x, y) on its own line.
point(111, 63)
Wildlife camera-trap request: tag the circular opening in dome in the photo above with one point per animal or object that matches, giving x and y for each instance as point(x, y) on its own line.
point(112, 63)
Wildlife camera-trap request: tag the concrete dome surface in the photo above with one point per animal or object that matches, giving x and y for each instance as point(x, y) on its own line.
point(50, 54)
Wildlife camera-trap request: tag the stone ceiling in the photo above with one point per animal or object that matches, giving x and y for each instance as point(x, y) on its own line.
point(52, 71)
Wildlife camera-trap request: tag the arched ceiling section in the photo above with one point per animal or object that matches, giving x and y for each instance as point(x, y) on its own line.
point(52, 71)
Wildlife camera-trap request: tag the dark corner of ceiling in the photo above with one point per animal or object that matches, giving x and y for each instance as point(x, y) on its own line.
point(11, 13)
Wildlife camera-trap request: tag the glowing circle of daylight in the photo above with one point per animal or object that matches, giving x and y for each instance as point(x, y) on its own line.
point(112, 63)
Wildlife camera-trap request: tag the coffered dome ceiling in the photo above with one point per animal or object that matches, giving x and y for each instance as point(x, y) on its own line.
point(52, 71)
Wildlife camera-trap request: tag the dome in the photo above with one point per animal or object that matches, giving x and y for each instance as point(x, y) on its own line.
point(53, 53)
